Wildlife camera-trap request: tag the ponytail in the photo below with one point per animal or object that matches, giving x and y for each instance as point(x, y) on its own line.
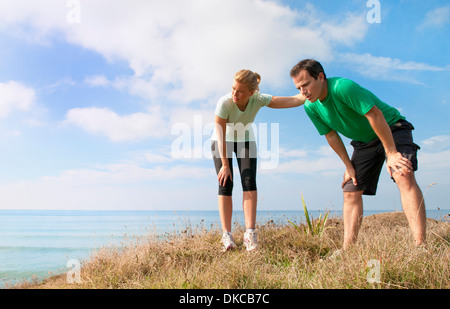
point(248, 78)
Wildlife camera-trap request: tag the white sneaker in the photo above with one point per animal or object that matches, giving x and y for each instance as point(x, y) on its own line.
point(250, 240)
point(228, 241)
point(337, 255)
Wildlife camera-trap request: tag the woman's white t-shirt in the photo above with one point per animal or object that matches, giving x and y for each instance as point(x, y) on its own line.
point(240, 123)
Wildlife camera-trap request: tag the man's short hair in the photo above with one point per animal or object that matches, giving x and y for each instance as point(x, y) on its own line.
point(313, 67)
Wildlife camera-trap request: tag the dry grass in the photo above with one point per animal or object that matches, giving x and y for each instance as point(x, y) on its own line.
point(286, 259)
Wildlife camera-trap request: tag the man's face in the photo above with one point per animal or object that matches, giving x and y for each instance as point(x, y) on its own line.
point(312, 89)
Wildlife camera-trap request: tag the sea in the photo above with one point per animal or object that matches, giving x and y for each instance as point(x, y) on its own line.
point(36, 244)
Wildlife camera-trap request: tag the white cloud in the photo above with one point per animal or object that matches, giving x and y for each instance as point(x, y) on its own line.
point(311, 166)
point(344, 32)
point(156, 122)
point(125, 173)
point(132, 184)
point(435, 162)
point(437, 143)
point(289, 153)
point(116, 186)
point(15, 96)
point(322, 161)
point(117, 128)
point(181, 52)
point(61, 83)
point(15, 133)
point(188, 50)
point(386, 68)
point(157, 158)
point(97, 81)
point(45, 16)
point(436, 18)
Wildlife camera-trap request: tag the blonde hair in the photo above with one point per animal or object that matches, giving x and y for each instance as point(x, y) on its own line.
point(248, 78)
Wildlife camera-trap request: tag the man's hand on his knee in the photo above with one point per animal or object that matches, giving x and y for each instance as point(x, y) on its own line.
point(396, 163)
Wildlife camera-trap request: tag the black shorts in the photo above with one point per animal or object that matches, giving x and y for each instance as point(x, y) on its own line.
point(246, 158)
point(368, 158)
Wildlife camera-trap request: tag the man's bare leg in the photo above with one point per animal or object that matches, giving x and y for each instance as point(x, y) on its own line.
point(353, 214)
point(413, 205)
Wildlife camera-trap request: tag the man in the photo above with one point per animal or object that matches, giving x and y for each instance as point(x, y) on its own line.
point(379, 133)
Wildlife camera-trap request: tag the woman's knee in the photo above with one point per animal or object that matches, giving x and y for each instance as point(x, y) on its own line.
point(248, 178)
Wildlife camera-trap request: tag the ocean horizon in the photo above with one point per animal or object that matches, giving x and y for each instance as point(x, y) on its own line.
point(35, 244)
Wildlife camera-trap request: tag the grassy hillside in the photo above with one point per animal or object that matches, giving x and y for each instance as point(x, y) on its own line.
point(287, 259)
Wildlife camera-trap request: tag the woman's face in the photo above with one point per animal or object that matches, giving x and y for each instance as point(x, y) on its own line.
point(240, 93)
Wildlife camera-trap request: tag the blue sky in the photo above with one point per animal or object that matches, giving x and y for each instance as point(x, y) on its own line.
point(95, 97)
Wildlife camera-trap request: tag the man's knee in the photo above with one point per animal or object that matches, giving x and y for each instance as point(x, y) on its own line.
point(406, 180)
point(352, 196)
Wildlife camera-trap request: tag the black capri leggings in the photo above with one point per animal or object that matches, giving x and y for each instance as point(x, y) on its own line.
point(246, 158)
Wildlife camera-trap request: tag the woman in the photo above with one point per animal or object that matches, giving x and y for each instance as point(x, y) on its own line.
point(234, 116)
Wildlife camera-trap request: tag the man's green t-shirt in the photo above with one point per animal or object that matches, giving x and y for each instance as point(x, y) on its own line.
point(344, 108)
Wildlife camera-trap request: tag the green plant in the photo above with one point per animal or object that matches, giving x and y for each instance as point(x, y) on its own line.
point(313, 227)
